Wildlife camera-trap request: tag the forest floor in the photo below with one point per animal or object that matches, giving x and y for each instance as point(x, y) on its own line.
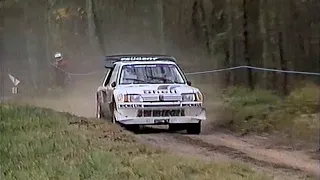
point(262, 153)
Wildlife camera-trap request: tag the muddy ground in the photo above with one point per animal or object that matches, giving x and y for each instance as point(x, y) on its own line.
point(213, 144)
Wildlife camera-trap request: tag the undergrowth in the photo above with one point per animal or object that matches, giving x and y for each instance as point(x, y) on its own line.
point(43, 144)
point(261, 111)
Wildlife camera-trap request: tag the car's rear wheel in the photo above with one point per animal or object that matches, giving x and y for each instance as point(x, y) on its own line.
point(98, 109)
point(112, 108)
point(194, 128)
point(99, 115)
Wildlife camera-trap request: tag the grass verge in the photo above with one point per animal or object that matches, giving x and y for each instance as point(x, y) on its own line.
point(42, 144)
point(260, 111)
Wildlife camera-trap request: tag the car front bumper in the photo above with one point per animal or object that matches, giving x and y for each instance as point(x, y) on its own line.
point(127, 113)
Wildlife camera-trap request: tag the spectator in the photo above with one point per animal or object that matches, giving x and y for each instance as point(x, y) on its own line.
point(60, 64)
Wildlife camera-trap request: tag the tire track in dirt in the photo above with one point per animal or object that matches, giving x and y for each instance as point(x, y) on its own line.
point(237, 154)
point(195, 147)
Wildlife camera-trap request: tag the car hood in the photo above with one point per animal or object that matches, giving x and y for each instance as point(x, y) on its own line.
point(156, 89)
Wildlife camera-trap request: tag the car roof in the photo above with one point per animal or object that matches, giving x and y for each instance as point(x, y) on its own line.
point(138, 59)
point(145, 62)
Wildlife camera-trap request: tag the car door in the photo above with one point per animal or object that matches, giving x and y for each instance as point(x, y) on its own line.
point(102, 92)
point(109, 89)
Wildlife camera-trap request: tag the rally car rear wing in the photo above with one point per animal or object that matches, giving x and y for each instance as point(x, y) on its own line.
point(111, 59)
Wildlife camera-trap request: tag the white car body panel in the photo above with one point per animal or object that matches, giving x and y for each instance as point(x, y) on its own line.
point(161, 104)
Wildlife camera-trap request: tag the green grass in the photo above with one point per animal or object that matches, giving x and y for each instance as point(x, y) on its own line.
point(262, 111)
point(43, 144)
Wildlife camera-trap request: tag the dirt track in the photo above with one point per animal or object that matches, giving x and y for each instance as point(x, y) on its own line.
point(214, 145)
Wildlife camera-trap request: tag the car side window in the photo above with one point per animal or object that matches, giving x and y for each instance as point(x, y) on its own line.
point(108, 77)
point(114, 74)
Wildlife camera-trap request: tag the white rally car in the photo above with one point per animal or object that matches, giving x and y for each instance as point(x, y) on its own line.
point(149, 90)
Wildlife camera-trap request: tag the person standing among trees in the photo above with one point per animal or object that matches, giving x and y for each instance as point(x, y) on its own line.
point(60, 65)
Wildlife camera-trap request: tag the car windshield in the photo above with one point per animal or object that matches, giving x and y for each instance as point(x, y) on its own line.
point(151, 74)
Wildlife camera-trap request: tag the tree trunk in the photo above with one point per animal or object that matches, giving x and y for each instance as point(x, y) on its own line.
point(265, 44)
point(161, 26)
point(274, 74)
point(48, 41)
point(95, 38)
point(281, 22)
point(318, 64)
point(180, 32)
point(283, 63)
point(31, 46)
point(194, 17)
point(205, 27)
point(91, 23)
point(273, 39)
point(231, 41)
point(2, 65)
point(246, 45)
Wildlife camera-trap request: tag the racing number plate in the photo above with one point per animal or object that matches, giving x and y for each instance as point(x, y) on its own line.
point(161, 121)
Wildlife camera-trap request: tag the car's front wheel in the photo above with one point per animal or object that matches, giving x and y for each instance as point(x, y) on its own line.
point(194, 128)
point(176, 127)
point(98, 110)
point(135, 128)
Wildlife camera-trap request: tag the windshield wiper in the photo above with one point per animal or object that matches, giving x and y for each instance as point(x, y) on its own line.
point(134, 79)
point(160, 78)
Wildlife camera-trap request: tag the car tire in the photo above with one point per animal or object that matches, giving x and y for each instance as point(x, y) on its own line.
point(98, 111)
point(194, 128)
point(113, 117)
point(135, 128)
point(99, 114)
point(176, 127)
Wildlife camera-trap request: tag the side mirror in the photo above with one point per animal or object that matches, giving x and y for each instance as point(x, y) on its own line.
point(189, 83)
point(113, 84)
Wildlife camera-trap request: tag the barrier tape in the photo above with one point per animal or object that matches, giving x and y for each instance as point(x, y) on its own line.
point(212, 71)
point(76, 74)
point(255, 68)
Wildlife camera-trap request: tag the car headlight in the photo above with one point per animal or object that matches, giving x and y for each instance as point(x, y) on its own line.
point(199, 96)
point(188, 97)
point(133, 98)
point(192, 97)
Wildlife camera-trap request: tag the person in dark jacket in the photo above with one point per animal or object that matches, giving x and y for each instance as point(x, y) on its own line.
point(60, 65)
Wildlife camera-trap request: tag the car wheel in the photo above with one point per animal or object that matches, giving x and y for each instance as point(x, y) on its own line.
point(135, 128)
point(99, 114)
point(176, 127)
point(194, 128)
point(113, 117)
point(98, 109)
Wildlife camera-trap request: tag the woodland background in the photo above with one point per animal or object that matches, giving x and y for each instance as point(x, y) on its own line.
point(202, 34)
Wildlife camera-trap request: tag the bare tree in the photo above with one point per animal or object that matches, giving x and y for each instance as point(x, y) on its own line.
point(48, 35)
point(161, 26)
point(194, 19)
point(204, 26)
point(265, 38)
point(93, 31)
point(31, 45)
point(231, 41)
point(246, 44)
point(2, 66)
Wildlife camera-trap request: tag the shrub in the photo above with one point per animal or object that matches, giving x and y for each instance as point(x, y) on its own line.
point(263, 111)
point(250, 109)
